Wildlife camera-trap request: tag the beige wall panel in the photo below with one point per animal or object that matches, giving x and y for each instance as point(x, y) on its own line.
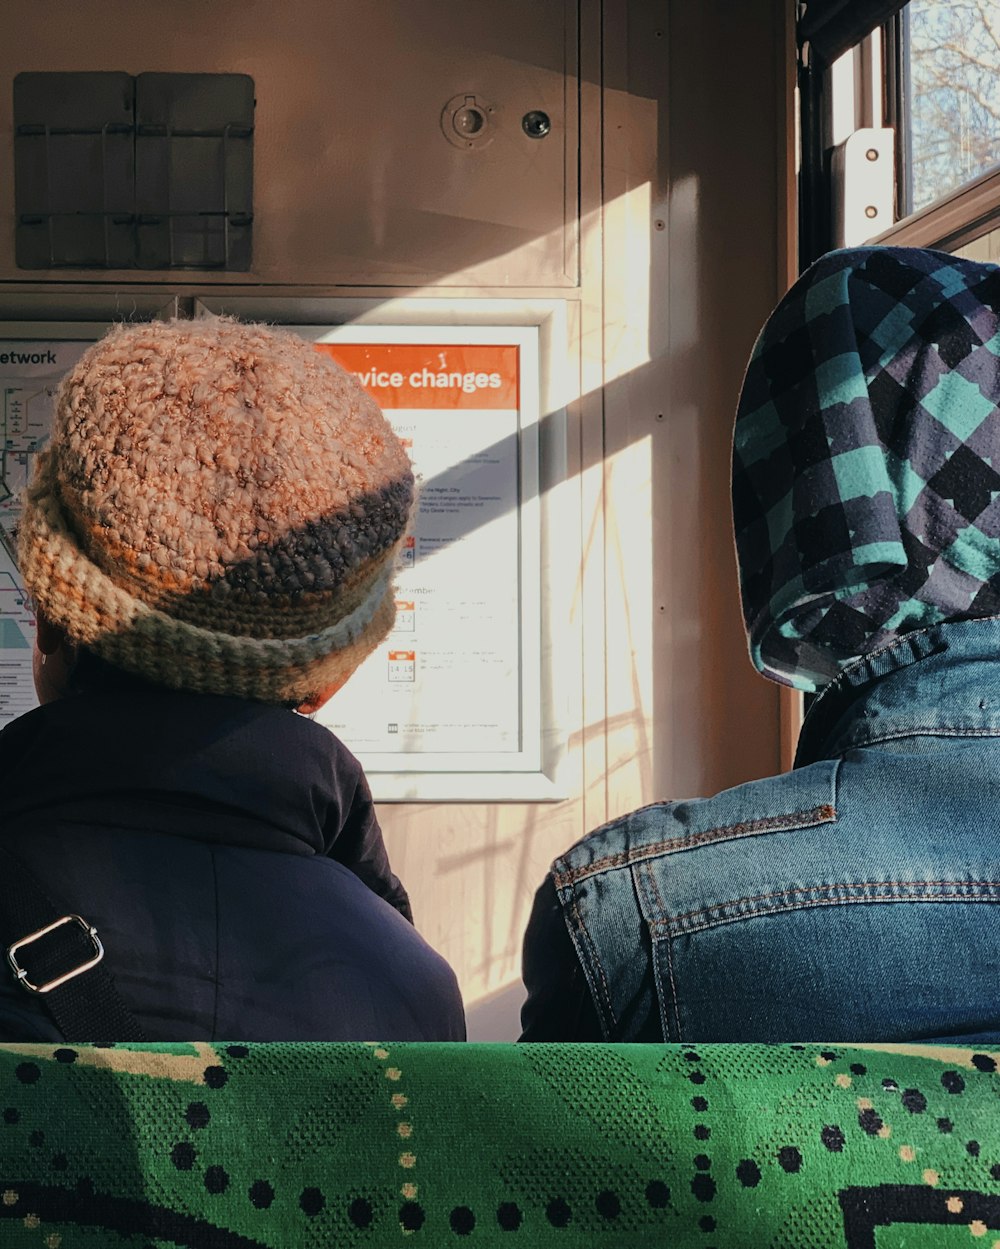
point(354, 180)
point(692, 202)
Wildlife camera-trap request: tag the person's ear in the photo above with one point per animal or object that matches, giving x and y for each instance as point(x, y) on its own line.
point(50, 636)
point(317, 700)
point(52, 660)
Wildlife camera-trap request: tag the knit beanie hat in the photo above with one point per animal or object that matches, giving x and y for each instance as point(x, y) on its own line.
point(866, 465)
point(219, 510)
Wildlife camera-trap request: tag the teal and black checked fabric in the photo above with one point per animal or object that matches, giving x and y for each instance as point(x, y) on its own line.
point(866, 462)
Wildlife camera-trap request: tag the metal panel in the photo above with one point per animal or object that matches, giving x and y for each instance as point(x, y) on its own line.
point(194, 170)
point(114, 172)
point(74, 157)
point(357, 180)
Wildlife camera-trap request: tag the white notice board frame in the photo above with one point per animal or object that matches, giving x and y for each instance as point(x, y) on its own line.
point(536, 770)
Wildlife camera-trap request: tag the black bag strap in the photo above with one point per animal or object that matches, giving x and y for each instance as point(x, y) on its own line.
point(55, 955)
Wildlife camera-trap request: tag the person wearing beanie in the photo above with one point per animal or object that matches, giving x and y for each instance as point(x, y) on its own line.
point(855, 898)
point(209, 541)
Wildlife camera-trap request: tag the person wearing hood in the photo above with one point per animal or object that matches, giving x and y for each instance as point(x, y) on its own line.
point(857, 897)
point(209, 541)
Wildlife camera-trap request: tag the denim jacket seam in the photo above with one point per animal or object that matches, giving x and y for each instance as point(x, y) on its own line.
point(645, 868)
point(890, 891)
point(860, 739)
point(586, 946)
point(884, 899)
point(825, 813)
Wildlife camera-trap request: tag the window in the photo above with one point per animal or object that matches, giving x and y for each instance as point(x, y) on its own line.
point(950, 80)
point(905, 140)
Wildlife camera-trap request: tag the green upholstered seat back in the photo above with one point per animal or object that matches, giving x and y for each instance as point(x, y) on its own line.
point(221, 1146)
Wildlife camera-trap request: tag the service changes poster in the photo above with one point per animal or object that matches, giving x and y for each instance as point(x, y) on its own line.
point(445, 689)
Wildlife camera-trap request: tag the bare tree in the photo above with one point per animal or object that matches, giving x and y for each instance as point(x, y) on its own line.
point(954, 93)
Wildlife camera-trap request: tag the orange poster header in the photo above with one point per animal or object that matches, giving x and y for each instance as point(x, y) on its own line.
point(438, 375)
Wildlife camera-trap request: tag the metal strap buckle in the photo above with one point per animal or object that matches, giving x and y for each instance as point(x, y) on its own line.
point(21, 972)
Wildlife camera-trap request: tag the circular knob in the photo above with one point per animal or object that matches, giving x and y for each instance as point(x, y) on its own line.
point(468, 121)
point(536, 124)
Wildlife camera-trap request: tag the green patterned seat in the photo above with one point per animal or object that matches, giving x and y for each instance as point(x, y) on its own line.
point(219, 1146)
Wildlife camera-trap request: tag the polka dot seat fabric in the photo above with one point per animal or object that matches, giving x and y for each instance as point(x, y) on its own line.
point(296, 1146)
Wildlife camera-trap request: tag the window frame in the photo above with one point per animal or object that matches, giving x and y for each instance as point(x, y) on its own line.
point(954, 219)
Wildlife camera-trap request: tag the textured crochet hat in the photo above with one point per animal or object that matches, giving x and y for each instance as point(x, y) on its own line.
point(866, 465)
point(219, 509)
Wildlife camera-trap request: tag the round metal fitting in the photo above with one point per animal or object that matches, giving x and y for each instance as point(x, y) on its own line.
point(467, 121)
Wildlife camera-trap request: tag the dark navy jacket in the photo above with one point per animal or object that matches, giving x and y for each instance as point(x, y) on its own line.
point(229, 856)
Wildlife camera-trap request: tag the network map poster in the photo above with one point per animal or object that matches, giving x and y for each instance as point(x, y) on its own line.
point(30, 373)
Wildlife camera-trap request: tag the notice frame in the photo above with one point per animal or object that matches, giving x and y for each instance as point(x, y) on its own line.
point(398, 775)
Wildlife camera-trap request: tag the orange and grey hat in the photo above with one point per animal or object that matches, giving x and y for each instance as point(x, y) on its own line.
point(219, 509)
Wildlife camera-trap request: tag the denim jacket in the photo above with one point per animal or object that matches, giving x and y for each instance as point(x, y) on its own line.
point(854, 898)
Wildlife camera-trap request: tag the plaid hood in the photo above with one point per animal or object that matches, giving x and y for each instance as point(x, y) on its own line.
point(866, 502)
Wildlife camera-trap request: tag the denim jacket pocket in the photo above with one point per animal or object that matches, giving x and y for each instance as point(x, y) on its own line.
point(621, 886)
point(707, 867)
